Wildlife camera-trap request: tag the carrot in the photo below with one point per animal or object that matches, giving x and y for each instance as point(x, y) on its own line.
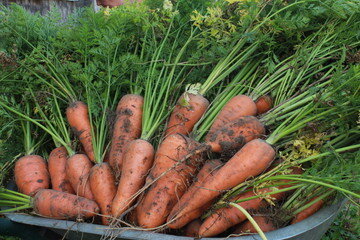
point(265, 224)
point(308, 211)
point(224, 218)
point(102, 184)
point(57, 169)
point(263, 104)
point(61, 205)
point(238, 106)
point(138, 159)
point(188, 110)
point(31, 174)
point(192, 229)
point(233, 135)
point(249, 161)
point(78, 118)
point(208, 170)
point(127, 127)
point(174, 178)
point(77, 170)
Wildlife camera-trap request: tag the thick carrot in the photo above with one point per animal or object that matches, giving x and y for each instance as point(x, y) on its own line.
point(224, 218)
point(102, 184)
point(206, 172)
point(265, 224)
point(233, 135)
point(138, 159)
point(31, 174)
point(308, 211)
point(238, 106)
point(127, 127)
point(188, 110)
point(78, 168)
point(57, 169)
point(249, 161)
point(192, 229)
point(61, 205)
point(78, 118)
point(263, 104)
point(165, 192)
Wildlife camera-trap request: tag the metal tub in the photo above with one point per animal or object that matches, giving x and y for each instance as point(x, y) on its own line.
point(311, 228)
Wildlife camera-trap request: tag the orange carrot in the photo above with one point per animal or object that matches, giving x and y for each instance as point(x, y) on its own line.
point(78, 168)
point(57, 169)
point(238, 106)
point(78, 118)
point(61, 205)
point(233, 135)
point(308, 211)
point(265, 224)
point(188, 110)
point(138, 159)
point(263, 104)
point(249, 161)
point(192, 229)
point(127, 127)
point(31, 174)
point(102, 184)
point(165, 192)
point(206, 172)
point(224, 218)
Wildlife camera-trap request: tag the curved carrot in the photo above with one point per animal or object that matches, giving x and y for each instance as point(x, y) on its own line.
point(127, 127)
point(78, 168)
point(265, 224)
point(308, 211)
point(138, 159)
point(249, 161)
point(31, 174)
point(187, 112)
point(61, 205)
point(263, 104)
point(165, 192)
point(233, 135)
point(102, 184)
point(78, 118)
point(57, 169)
point(206, 172)
point(236, 107)
point(192, 229)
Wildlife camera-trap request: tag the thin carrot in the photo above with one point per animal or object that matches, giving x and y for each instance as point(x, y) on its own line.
point(187, 112)
point(31, 174)
point(102, 184)
point(57, 169)
point(138, 159)
point(308, 211)
point(78, 118)
point(265, 224)
point(127, 127)
point(77, 170)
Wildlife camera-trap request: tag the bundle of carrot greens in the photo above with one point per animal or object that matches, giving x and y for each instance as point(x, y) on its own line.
point(232, 118)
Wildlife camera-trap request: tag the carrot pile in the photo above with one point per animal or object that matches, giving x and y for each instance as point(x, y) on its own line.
point(234, 152)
